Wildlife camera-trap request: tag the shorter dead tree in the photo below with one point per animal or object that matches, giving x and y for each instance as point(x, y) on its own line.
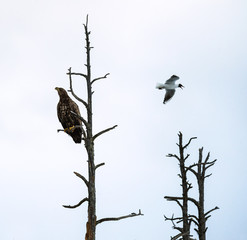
point(199, 171)
point(200, 174)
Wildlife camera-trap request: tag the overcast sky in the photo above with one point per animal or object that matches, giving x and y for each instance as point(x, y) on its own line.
point(139, 43)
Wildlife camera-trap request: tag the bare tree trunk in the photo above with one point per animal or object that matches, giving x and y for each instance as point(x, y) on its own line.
point(201, 217)
point(88, 137)
point(200, 175)
point(91, 224)
point(186, 186)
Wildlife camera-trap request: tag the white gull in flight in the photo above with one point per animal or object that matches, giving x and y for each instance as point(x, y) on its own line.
point(170, 87)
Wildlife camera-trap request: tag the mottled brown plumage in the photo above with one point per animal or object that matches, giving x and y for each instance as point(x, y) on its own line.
point(67, 119)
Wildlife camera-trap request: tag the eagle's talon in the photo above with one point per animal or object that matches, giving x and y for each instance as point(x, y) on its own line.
point(72, 128)
point(69, 129)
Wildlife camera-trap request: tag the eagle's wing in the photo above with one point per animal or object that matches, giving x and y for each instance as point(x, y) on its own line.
point(62, 112)
point(169, 94)
point(75, 121)
point(65, 116)
point(74, 108)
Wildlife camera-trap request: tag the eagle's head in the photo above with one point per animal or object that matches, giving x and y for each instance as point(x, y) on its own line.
point(61, 92)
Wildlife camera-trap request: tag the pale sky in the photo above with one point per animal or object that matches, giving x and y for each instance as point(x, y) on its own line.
point(139, 43)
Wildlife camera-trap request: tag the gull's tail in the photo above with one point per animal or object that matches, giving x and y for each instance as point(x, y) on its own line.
point(160, 85)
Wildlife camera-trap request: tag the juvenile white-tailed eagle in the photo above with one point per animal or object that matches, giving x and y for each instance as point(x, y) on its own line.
point(69, 121)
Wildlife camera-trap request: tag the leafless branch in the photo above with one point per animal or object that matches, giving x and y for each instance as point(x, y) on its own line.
point(81, 177)
point(186, 157)
point(60, 130)
point(194, 219)
point(186, 145)
point(78, 204)
point(99, 165)
point(180, 235)
point(191, 169)
point(189, 186)
point(175, 200)
point(173, 155)
point(210, 164)
point(79, 74)
point(102, 132)
point(170, 198)
point(72, 91)
point(96, 79)
point(194, 201)
point(85, 25)
point(172, 219)
point(211, 211)
point(81, 118)
point(205, 165)
point(119, 218)
point(208, 175)
point(207, 158)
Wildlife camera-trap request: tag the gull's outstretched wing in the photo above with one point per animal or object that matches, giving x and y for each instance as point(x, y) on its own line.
point(169, 94)
point(172, 79)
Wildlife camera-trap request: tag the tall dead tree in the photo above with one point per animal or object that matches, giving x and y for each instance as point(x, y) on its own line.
point(200, 173)
point(89, 138)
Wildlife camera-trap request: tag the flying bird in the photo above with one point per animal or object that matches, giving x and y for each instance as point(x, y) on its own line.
point(170, 87)
point(69, 121)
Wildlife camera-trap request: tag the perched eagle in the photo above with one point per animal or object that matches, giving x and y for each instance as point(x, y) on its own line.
point(68, 119)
